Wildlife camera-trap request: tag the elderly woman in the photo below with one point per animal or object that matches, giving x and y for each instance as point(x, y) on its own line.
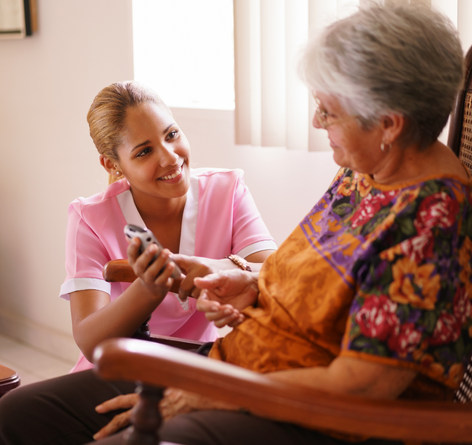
point(370, 294)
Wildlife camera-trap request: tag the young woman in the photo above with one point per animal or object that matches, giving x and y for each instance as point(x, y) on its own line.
point(198, 212)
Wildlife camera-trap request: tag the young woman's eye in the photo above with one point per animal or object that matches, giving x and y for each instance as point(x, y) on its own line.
point(173, 134)
point(143, 152)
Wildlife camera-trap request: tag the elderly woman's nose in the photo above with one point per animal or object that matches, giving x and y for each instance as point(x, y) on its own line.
point(315, 122)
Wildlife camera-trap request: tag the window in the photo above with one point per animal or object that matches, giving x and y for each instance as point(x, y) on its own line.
point(183, 49)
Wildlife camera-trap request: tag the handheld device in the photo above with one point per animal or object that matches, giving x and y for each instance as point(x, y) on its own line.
point(147, 237)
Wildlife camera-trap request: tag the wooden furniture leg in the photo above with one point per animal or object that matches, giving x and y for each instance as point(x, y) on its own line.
point(145, 417)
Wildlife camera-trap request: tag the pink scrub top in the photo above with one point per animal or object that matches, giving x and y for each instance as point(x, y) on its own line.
point(220, 217)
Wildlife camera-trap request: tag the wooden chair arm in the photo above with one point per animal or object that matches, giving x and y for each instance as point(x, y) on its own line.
point(179, 343)
point(117, 271)
point(160, 365)
point(9, 380)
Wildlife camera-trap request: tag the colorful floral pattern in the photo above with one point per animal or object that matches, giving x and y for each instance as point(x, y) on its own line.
point(372, 272)
point(411, 269)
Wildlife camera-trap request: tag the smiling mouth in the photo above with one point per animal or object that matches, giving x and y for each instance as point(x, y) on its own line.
point(173, 175)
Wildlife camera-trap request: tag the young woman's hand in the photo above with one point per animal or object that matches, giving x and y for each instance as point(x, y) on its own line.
point(155, 275)
point(193, 267)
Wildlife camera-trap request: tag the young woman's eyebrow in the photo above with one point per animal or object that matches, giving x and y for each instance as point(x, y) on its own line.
point(140, 145)
point(148, 142)
point(165, 131)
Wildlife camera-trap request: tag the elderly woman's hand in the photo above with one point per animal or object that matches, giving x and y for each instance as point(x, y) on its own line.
point(177, 401)
point(220, 314)
point(120, 421)
point(196, 267)
point(225, 294)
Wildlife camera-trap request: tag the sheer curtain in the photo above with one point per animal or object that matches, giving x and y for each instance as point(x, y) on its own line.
point(273, 108)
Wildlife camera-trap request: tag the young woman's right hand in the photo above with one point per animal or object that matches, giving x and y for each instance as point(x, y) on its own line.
point(154, 275)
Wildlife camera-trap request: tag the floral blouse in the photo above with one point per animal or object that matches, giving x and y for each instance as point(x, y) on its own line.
point(413, 302)
point(377, 272)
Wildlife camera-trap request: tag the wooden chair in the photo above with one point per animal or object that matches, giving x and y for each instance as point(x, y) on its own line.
point(157, 366)
point(9, 380)
point(460, 126)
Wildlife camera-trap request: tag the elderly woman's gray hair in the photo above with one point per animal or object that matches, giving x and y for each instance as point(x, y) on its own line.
point(389, 59)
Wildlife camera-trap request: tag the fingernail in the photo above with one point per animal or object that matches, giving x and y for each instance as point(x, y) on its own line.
point(228, 311)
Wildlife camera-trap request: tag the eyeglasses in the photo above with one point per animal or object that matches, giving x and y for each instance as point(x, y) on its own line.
point(322, 116)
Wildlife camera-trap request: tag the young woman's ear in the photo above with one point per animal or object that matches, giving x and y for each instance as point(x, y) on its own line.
point(110, 166)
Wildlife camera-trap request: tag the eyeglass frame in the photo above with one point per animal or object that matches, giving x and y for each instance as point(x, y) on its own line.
point(322, 116)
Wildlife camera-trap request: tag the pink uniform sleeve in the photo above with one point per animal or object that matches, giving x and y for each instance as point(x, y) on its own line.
point(85, 253)
point(228, 219)
point(248, 226)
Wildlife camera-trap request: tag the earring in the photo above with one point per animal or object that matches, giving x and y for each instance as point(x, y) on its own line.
point(383, 145)
point(118, 173)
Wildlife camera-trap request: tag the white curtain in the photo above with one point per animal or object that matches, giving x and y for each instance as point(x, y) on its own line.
point(273, 107)
point(272, 104)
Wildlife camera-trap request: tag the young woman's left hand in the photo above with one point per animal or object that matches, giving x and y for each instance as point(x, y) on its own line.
point(194, 267)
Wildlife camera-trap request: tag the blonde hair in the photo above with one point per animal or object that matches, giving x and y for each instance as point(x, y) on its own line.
point(107, 115)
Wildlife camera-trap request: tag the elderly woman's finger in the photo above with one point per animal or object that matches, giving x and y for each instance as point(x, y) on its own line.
point(204, 304)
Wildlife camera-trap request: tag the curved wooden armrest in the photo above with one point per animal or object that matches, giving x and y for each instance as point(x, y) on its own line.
point(9, 379)
point(159, 365)
point(119, 271)
point(175, 342)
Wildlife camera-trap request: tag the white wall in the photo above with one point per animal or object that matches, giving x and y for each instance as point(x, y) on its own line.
point(47, 83)
point(285, 184)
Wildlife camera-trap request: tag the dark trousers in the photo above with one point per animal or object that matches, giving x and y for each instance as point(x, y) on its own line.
point(57, 411)
point(61, 411)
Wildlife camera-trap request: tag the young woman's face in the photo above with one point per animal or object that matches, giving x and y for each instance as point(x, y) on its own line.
point(154, 155)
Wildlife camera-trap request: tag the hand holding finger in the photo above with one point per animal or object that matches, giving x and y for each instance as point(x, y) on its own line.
point(211, 281)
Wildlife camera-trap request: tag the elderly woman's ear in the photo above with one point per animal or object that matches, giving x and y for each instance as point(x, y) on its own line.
point(392, 126)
